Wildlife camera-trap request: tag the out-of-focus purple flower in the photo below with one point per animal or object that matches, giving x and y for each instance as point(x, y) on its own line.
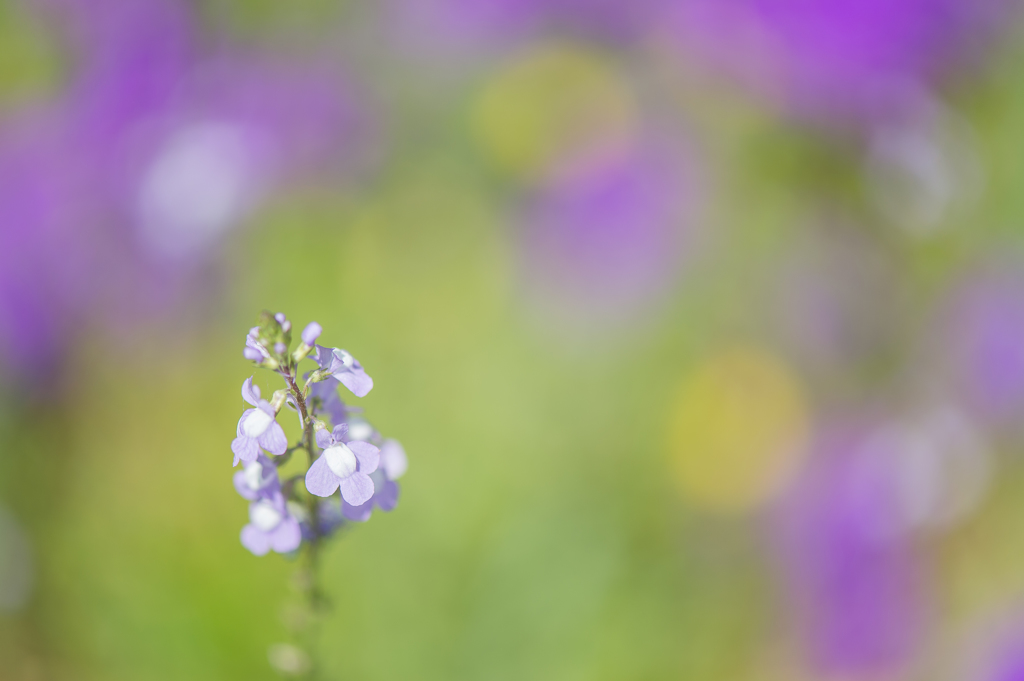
point(834, 58)
point(603, 243)
point(454, 27)
point(152, 153)
point(257, 428)
point(343, 464)
point(1006, 661)
point(282, 319)
point(984, 333)
point(331, 518)
point(271, 527)
point(258, 479)
point(393, 464)
point(483, 26)
point(325, 398)
point(856, 583)
point(344, 367)
point(393, 459)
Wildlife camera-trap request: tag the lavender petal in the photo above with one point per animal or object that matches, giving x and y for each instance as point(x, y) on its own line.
point(242, 488)
point(255, 540)
point(387, 496)
point(320, 480)
point(357, 488)
point(287, 536)
point(245, 449)
point(273, 439)
point(356, 380)
point(245, 414)
point(250, 392)
point(367, 455)
point(359, 514)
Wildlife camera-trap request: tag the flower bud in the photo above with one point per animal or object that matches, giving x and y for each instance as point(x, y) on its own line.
point(253, 354)
point(274, 333)
point(311, 333)
point(286, 325)
point(277, 401)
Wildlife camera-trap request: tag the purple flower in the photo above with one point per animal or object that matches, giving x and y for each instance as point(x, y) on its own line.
point(345, 368)
point(602, 242)
point(833, 58)
point(1004, 659)
point(257, 428)
point(853, 576)
point(153, 152)
point(271, 527)
point(393, 465)
point(257, 479)
point(984, 331)
point(343, 464)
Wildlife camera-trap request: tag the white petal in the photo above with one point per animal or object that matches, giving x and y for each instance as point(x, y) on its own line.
point(257, 423)
point(264, 516)
point(253, 475)
point(393, 460)
point(340, 460)
point(359, 430)
point(345, 358)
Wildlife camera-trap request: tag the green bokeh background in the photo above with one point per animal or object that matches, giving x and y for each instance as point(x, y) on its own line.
point(538, 535)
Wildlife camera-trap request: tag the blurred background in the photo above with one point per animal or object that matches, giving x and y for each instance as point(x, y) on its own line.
point(701, 321)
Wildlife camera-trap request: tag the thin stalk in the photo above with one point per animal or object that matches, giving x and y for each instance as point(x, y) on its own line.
point(313, 509)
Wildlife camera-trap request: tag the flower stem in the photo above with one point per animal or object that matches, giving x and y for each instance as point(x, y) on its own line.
point(311, 584)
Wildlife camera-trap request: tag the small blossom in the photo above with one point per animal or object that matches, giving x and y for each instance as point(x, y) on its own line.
point(258, 479)
point(343, 464)
point(393, 465)
point(271, 527)
point(311, 333)
point(257, 428)
point(344, 367)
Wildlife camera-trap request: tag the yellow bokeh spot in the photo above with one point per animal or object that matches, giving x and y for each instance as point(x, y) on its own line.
point(738, 431)
point(554, 110)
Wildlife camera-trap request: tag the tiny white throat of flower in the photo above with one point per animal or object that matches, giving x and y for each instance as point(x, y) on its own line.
point(256, 423)
point(253, 475)
point(392, 460)
point(340, 460)
point(346, 359)
point(264, 516)
point(359, 430)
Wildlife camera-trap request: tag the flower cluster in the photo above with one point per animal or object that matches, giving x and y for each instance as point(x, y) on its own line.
point(352, 468)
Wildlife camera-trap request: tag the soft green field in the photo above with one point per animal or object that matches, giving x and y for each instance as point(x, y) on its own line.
point(542, 531)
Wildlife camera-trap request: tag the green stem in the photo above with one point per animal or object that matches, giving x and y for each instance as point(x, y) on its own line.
point(312, 508)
